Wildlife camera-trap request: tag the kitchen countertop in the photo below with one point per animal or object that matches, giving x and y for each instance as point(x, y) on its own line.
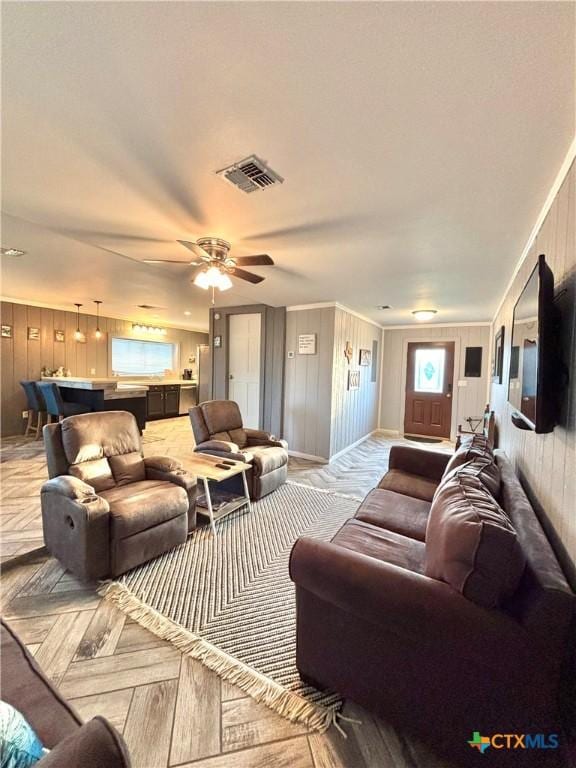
point(115, 387)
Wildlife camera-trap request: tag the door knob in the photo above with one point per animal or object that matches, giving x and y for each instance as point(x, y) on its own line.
point(448, 395)
point(230, 376)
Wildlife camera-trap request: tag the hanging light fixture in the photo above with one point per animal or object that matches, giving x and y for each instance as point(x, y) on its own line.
point(98, 332)
point(77, 332)
point(213, 277)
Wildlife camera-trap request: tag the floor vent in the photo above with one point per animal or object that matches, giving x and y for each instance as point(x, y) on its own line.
point(250, 175)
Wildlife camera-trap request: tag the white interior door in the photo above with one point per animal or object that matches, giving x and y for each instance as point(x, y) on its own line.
point(244, 366)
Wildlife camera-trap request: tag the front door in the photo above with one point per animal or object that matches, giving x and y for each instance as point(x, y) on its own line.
point(429, 388)
point(244, 366)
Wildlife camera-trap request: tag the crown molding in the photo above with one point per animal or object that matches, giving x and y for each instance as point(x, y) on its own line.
point(415, 325)
point(558, 181)
point(336, 305)
point(70, 308)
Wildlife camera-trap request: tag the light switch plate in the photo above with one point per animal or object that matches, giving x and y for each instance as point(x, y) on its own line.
point(92, 371)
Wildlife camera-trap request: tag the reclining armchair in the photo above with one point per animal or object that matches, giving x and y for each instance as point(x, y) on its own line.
point(218, 430)
point(106, 508)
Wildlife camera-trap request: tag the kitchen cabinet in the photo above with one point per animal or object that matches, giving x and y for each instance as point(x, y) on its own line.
point(163, 401)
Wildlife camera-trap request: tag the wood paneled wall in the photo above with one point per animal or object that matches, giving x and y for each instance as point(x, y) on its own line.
point(547, 463)
point(308, 383)
point(354, 412)
point(469, 400)
point(22, 358)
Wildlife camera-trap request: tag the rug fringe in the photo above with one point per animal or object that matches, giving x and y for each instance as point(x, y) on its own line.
point(324, 490)
point(285, 703)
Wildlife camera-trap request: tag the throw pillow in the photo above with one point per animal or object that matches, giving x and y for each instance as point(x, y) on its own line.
point(19, 745)
point(471, 543)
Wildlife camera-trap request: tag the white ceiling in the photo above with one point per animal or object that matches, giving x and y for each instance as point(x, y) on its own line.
point(418, 142)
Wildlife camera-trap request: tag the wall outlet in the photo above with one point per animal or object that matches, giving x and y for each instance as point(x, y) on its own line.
point(24, 414)
point(92, 371)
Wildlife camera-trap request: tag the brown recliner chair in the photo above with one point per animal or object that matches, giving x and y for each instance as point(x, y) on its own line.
point(106, 508)
point(218, 430)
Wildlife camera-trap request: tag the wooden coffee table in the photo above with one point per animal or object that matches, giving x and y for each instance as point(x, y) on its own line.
point(206, 468)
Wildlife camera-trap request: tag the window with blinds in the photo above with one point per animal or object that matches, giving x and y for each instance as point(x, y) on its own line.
point(133, 357)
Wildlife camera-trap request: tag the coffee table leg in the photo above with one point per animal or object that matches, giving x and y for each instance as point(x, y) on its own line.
point(246, 494)
point(209, 504)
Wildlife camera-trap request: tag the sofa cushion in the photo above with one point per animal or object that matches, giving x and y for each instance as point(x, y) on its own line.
point(381, 544)
point(128, 468)
point(221, 416)
point(472, 447)
point(484, 468)
point(471, 543)
point(406, 483)
point(96, 473)
point(395, 512)
point(268, 458)
point(239, 437)
point(139, 506)
point(99, 435)
point(28, 690)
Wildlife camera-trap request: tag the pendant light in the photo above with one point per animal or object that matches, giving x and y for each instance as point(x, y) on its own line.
point(77, 332)
point(98, 333)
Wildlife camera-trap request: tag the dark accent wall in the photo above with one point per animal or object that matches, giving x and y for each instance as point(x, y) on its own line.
point(23, 358)
point(273, 334)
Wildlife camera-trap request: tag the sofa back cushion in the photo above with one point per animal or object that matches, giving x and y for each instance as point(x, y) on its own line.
point(484, 468)
point(128, 468)
point(221, 416)
point(103, 448)
point(473, 447)
point(471, 543)
point(97, 473)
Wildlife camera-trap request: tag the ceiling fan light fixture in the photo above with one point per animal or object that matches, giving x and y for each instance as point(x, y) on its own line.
point(201, 280)
point(422, 315)
point(224, 283)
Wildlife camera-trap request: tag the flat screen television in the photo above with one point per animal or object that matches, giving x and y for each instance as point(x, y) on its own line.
point(533, 372)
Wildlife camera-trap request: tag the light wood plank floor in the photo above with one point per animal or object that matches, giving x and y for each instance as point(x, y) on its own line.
point(171, 709)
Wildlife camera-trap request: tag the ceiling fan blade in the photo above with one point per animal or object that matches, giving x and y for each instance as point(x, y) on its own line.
point(168, 261)
point(196, 250)
point(250, 277)
point(261, 260)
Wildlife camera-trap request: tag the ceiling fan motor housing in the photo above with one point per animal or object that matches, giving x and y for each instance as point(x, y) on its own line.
point(215, 247)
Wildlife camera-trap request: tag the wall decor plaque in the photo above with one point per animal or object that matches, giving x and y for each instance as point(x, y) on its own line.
point(59, 336)
point(365, 357)
point(307, 344)
point(353, 380)
point(33, 334)
point(6, 331)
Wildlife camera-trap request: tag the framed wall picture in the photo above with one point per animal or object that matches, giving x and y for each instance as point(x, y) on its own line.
point(365, 357)
point(217, 341)
point(353, 380)
point(498, 357)
point(33, 333)
point(307, 344)
point(60, 336)
point(6, 331)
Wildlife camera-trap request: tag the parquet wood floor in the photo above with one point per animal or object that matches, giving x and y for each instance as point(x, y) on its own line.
point(171, 709)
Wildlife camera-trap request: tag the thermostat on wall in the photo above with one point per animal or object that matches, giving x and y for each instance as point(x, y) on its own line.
point(290, 355)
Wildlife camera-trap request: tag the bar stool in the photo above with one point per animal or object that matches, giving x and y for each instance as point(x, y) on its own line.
point(36, 407)
point(55, 405)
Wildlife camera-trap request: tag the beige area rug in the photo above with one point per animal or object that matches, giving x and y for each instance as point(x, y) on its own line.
point(229, 602)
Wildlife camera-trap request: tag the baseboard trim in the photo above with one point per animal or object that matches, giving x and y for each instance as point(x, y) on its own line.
point(308, 456)
point(353, 445)
point(389, 432)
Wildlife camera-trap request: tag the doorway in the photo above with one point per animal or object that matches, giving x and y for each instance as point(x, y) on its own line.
point(244, 366)
point(429, 388)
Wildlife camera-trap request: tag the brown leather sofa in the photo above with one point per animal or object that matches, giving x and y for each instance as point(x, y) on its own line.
point(72, 744)
point(443, 617)
point(218, 430)
point(106, 508)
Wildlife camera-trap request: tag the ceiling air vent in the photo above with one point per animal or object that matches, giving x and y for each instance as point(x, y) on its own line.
point(250, 175)
point(148, 306)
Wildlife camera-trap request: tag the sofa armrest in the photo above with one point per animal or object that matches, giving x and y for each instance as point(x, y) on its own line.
point(69, 486)
point(76, 530)
point(258, 437)
point(420, 609)
point(178, 476)
point(95, 745)
point(162, 463)
point(223, 446)
point(418, 461)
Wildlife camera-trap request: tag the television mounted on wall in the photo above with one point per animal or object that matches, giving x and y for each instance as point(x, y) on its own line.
point(533, 374)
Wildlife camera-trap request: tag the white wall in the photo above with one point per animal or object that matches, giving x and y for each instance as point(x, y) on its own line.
point(469, 400)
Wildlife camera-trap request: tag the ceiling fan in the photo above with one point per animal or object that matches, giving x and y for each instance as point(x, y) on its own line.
point(216, 265)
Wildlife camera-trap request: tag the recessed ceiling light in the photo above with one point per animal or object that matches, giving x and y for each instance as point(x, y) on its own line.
point(12, 252)
point(187, 312)
point(424, 314)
